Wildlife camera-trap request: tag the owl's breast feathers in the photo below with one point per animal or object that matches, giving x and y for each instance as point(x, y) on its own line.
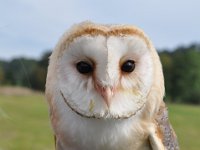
point(164, 129)
point(164, 133)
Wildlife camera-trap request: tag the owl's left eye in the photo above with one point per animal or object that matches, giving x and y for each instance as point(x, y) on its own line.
point(128, 66)
point(84, 67)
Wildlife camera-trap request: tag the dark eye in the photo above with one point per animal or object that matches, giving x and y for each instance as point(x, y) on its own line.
point(84, 67)
point(128, 66)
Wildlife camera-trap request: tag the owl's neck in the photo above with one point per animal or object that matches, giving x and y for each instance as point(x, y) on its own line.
point(98, 134)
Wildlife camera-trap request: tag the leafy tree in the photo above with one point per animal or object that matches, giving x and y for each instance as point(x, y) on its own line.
point(38, 75)
point(181, 69)
point(1, 75)
point(186, 76)
point(18, 70)
point(167, 63)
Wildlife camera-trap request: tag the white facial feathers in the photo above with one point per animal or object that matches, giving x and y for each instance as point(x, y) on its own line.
point(127, 91)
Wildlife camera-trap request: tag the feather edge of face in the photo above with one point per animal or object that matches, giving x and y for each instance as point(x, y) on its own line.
point(88, 28)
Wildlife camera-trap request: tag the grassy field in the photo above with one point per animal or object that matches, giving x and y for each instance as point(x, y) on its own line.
point(186, 122)
point(24, 124)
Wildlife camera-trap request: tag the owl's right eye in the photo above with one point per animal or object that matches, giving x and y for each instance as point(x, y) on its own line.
point(84, 67)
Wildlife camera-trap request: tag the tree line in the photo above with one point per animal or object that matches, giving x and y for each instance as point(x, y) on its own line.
point(181, 68)
point(25, 72)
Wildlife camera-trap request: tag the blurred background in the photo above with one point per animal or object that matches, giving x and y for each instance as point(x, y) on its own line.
point(29, 30)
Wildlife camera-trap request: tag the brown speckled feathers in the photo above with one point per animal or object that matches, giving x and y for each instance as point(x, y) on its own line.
point(165, 129)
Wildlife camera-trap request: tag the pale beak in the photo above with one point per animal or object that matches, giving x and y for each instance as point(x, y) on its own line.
point(107, 93)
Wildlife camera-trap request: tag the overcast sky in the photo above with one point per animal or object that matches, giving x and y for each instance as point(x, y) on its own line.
point(29, 27)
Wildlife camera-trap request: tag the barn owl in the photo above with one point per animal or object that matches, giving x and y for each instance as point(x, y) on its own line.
point(105, 91)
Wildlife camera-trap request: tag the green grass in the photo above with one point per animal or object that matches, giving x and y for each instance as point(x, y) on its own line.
point(186, 122)
point(24, 124)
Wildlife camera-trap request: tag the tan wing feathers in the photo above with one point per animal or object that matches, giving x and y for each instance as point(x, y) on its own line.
point(165, 130)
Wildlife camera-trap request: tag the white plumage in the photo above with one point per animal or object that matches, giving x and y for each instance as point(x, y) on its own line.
point(105, 90)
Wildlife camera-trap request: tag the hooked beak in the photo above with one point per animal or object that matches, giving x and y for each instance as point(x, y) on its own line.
point(106, 92)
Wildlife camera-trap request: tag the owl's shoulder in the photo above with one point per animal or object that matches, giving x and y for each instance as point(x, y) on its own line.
point(164, 131)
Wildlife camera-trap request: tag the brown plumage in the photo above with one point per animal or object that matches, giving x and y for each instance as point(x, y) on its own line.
point(165, 130)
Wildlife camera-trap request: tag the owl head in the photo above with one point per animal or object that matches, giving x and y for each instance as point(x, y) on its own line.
point(104, 72)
